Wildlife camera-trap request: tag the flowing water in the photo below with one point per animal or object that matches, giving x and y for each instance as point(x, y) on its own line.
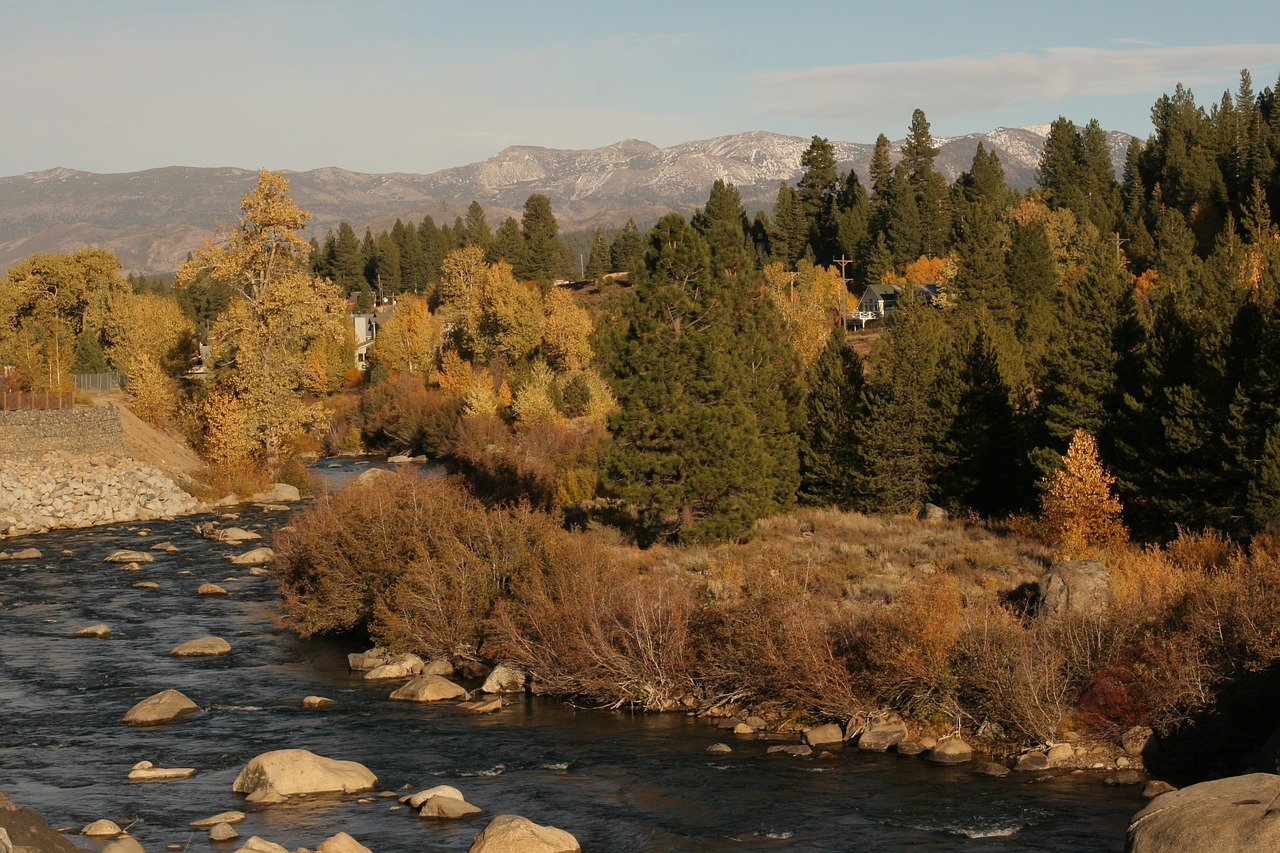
point(617, 781)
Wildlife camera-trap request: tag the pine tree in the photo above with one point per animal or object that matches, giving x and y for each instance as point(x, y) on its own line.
point(723, 224)
point(703, 438)
point(348, 259)
point(788, 240)
point(817, 189)
point(508, 245)
point(909, 403)
point(985, 446)
point(832, 407)
point(626, 253)
point(547, 257)
point(598, 261)
point(476, 229)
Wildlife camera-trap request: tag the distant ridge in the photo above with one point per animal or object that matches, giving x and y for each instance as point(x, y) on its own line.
point(151, 219)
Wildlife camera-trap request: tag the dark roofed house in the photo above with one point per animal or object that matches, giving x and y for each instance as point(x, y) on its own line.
point(880, 300)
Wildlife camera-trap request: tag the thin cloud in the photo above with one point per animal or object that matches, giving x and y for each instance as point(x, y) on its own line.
point(956, 85)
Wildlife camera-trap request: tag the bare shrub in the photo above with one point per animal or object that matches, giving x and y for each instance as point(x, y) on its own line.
point(402, 413)
point(591, 626)
point(416, 561)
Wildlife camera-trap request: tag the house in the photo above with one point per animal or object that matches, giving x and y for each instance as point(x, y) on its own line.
point(366, 329)
point(880, 300)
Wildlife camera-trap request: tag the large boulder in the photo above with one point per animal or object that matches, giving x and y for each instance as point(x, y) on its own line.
point(879, 737)
point(1232, 815)
point(447, 808)
point(256, 557)
point(506, 678)
point(341, 843)
point(28, 831)
point(825, 735)
point(163, 707)
point(1076, 588)
point(203, 646)
point(510, 833)
point(951, 751)
point(286, 772)
point(279, 493)
point(429, 688)
point(401, 666)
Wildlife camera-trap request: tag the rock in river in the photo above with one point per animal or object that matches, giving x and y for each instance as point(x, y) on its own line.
point(510, 833)
point(163, 707)
point(429, 688)
point(201, 647)
point(1231, 815)
point(124, 556)
point(298, 771)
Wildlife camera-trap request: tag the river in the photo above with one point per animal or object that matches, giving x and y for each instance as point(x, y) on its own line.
point(617, 781)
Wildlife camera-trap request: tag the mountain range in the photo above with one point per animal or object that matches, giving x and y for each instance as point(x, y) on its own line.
point(151, 219)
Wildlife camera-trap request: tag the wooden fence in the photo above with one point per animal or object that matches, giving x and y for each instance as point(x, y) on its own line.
point(15, 400)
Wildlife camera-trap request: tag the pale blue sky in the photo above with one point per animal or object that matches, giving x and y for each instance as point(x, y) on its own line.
point(393, 85)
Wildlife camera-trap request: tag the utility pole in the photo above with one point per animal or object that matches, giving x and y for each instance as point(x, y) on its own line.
point(844, 280)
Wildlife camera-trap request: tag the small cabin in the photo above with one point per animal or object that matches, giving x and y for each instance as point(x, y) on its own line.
point(880, 300)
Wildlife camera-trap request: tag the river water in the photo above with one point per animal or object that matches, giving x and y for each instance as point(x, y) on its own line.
point(617, 781)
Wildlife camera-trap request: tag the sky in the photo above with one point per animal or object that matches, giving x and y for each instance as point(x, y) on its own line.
point(400, 86)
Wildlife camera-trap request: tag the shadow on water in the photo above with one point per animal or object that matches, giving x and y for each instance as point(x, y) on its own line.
point(617, 781)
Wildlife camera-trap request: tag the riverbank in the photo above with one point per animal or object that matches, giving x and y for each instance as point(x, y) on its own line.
point(615, 780)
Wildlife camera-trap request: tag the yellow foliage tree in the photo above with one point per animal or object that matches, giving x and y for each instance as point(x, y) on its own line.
point(277, 340)
point(533, 405)
point(148, 326)
point(1079, 510)
point(409, 342)
point(46, 303)
point(153, 391)
point(510, 316)
point(566, 337)
point(808, 301)
point(454, 374)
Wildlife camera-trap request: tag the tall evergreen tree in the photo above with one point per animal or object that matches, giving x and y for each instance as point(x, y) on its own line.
point(703, 437)
point(508, 245)
point(818, 189)
point(598, 262)
point(546, 257)
point(723, 224)
point(788, 240)
point(832, 407)
point(626, 253)
point(476, 228)
point(909, 404)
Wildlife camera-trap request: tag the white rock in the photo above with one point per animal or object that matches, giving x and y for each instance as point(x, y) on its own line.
point(341, 843)
point(299, 771)
point(514, 834)
point(429, 688)
point(204, 646)
point(438, 791)
point(99, 631)
point(162, 707)
point(506, 678)
point(256, 557)
point(101, 829)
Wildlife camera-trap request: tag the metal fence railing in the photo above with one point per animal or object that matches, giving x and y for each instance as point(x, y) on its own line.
point(100, 383)
point(17, 400)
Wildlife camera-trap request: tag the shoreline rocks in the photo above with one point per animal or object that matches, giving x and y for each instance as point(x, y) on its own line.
point(68, 490)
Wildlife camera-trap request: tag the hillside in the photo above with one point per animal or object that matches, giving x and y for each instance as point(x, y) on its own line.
point(151, 219)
